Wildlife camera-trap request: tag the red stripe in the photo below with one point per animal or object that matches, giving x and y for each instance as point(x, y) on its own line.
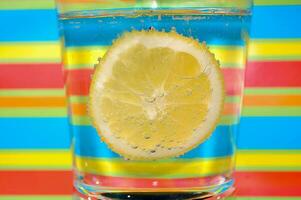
point(268, 183)
point(43, 75)
point(59, 183)
point(247, 183)
point(273, 74)
point(35, 182)
point(78, 81)
point(38, 75)
point(234, 79)
point(149, 183)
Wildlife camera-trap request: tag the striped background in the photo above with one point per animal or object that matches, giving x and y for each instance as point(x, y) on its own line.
point(34, 158)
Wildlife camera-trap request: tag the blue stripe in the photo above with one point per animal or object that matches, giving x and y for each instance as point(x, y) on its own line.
point(41, 25)
point(28, 25)
point(224, 30)
point(276, 22)
point(34, 133)
point(270, 133)
point(88, 143)
point(255, 133)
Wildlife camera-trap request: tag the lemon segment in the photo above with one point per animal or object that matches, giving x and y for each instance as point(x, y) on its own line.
point(156, 95)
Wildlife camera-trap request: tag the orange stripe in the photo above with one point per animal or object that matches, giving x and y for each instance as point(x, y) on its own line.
point(81, 109)
point(231, 109)
point(32, 102)
point(272, 100)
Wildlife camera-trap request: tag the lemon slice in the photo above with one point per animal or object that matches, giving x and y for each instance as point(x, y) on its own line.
point(156, 95)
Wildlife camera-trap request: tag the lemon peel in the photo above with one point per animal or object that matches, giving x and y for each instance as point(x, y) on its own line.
point(156, 95)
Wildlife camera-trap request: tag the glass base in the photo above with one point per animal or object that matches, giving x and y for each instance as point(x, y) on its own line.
point(132, 190)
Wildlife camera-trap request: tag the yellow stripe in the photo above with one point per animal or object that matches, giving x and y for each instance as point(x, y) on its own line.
point(261, 159)
point(228, 55)
point(35, 159)
point(39, 51)
point(23, 52)
point(86, 56)
point(275, 49)
point(83, 57)
point(171, 168)
point(268, 159)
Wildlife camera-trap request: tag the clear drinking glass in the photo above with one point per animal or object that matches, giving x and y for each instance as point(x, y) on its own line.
point(89, 28)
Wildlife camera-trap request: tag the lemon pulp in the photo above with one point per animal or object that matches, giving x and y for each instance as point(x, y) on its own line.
point(156, 95)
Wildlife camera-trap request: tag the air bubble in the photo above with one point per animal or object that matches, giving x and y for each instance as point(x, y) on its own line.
point(188, 92)
point(151, 28)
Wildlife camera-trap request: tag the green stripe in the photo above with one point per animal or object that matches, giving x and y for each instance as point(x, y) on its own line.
point(33, 112)
point(80, 66)
point(272, 91)
point(32, 93)
point(36, 197)
point(269, 168)
point(78, 99)
point(277, 2)
point(271, 111)
point(26, 4)
point(29, 60)
point(228, 120)
point(233, 99)
point(85, 120)
point(27, 167)
point(231, 65)
point(274, 58)
point(81, 120)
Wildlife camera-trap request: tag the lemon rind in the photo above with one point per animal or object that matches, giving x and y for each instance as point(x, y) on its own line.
point(195, 44)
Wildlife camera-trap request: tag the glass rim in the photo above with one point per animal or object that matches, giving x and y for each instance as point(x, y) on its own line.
point(67, 6)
